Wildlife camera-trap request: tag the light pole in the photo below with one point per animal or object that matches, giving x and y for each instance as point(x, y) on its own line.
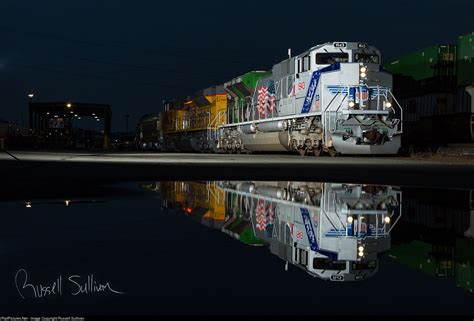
point(30, 100)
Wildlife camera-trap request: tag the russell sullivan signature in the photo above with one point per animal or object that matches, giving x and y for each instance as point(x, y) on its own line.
point(63, 285)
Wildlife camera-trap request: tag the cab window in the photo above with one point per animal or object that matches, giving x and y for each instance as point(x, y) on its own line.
point(329, 58)
point(366, 58)
point(304, 64)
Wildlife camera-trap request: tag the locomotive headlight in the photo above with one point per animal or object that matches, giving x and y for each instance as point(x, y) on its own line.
point(363, 75)
point(361, 254)
point(387, 219)
point(351, 104)
point(388, 104)
point(361, 248)
point(350, 219)
point(363, 70)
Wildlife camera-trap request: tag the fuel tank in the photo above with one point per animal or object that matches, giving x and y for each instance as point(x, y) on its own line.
point(266, 142)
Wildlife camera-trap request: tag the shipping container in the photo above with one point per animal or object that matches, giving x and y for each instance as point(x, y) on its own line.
point(465, 60)
point(434, 61)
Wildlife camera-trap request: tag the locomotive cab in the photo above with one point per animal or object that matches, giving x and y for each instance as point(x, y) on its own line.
point(337, 53)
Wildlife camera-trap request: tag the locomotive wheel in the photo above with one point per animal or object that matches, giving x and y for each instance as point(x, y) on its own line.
point(332, 152)
point(317, 152)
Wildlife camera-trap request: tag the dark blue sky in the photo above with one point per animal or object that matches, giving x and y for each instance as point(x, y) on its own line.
point(133, 54)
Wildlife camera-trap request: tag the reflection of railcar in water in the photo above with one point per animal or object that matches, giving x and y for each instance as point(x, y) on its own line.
point(436, 235)
point(333, 231)
point(201, 201)
point(333, 98)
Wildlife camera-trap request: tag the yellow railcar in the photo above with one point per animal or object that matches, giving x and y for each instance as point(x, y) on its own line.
point(192, 124)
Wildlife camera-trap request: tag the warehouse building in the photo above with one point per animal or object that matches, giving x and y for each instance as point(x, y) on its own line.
point(54, 121)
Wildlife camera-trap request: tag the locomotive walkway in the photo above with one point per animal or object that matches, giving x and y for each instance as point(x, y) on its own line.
point(24, 167)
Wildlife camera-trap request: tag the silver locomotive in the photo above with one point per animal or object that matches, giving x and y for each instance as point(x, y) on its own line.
point(332, 99)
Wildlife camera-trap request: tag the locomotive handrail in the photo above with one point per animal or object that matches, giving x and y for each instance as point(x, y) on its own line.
point(325, 208)
point(401, 111)
point(399, 214)
point(327, 118)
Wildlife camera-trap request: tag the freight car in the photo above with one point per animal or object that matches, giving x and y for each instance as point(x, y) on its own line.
point(439, 118)
point(149, 134)
point(435, 234)
point(332, 99)
point(435, 86)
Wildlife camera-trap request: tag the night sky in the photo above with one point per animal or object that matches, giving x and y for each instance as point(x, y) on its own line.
point(133, 54)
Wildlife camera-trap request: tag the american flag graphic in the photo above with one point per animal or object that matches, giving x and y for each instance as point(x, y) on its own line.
point(260, 216)
point(266, 100)
point(362, 229)
point(265, 215)
point(299, 235)
point(362, 94)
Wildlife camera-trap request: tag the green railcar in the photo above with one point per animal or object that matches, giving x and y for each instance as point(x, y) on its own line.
point(434, 61)
point(241, 90)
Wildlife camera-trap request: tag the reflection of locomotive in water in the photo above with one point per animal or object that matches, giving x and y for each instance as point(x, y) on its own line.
point(333, 98)
point(201, 201)
point(333, 231)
